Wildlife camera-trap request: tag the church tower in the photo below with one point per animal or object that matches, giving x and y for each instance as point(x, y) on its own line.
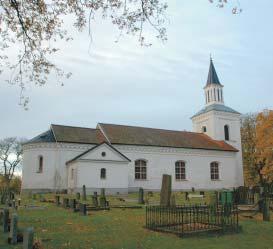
point(217, 120)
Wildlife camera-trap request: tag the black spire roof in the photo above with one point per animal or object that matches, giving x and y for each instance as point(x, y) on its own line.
point(212, 76)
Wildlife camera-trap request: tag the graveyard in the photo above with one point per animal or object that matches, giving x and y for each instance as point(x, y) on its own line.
point(137, 220)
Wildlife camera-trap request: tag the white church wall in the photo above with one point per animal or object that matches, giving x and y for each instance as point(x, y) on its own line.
point(88, 174)
point(162, 161)
point(55, 155)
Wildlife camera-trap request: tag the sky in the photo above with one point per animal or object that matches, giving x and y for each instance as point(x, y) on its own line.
point(160, 86)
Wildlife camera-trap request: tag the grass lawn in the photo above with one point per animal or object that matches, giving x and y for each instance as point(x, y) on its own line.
point(59, 228)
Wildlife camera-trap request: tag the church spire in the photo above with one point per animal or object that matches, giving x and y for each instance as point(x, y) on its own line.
point(212, 75)
point(213, 88)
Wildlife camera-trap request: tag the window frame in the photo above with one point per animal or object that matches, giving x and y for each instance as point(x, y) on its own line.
point(103, 173)
point(226, 132)
point(180, 170)
point(141, 169)
point(214, 171)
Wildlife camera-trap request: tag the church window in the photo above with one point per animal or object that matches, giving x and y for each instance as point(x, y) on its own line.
point(180, 170)
point(102, 173)
point(214, 171)
point(140, 170)
point(72, 174)
point(218, 91)
point(204, 129)
point(41, 164)
point(221, 95)
point(226, 130)
point(103, 154)
point(208, 97)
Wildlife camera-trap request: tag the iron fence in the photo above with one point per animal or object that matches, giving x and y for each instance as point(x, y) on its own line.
point(183, 220)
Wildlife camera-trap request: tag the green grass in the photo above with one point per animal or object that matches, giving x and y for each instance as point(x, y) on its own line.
point(116, 229)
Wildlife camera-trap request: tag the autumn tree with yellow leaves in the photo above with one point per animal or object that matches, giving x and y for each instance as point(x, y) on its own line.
point(257, 147)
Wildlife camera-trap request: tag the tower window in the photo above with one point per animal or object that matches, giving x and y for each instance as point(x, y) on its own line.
point(218, 95)
point(208, 97)
point(103, 173)
point(226, 130)
point(214, 171)
point(204, 129)
point(41, 164)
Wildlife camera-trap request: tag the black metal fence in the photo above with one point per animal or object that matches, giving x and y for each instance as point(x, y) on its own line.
point(183, 220)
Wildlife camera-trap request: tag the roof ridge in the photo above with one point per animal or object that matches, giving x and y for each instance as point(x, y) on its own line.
point(151, 128)
point(75, 127)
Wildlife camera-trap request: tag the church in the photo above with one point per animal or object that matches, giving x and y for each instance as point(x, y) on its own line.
point(123, 158)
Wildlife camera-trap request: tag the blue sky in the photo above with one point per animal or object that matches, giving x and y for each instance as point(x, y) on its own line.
point(160, 86)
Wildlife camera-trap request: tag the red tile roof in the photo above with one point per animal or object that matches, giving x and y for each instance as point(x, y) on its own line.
point(132, 135)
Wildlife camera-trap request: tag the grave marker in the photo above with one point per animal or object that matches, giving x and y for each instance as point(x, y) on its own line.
point(141, 196)
point(5, 220)
point(13, 229)
point(28, 238)
point(83, 193)
point(166, 190)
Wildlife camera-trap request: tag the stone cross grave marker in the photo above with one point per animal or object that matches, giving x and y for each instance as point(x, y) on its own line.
point(166, 190)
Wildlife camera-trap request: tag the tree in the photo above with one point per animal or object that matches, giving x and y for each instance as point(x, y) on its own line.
point(31, 28)
point(10, 159)
point(248, 135)
point(264, 145)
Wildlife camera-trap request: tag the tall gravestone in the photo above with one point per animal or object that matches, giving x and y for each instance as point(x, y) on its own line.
point(141, 196)
point(78, 196)
point(166, 190)
point(83, 193)
point(5, 220)
point(266, 209)
point(13, 229)
point(28, 238)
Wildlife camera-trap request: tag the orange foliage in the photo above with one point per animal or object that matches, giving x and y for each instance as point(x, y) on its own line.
point(264, 143)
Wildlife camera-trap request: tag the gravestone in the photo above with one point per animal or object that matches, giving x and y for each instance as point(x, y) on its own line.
point(83, 193)
point(5, 220)
point(187, 196)
point(95, 201)
point(103, 201)
point(266, 209)
point(96, 194)
point(57, 200)
point(166, 190)
point(65, 202)
point(13, 229)
point(193, 189)
point(78, 196)
point(141, 196)
point(202, 193)
point(102, 192)
point(173, 201)
point(28, 238)
point(83, 209)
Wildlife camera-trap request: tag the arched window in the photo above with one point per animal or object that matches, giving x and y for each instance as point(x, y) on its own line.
point(72, 174)
point(180, 170)
point(140, 169)
point(40, 164)
point(103, 173)
point(218, 93)
point(204, 129)
point(226, 130)
point(208, 97)
point(214, 171)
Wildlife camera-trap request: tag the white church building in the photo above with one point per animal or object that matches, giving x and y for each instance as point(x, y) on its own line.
point(122, 158)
